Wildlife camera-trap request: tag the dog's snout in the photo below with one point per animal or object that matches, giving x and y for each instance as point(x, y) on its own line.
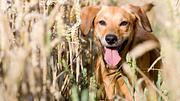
point(111, 39)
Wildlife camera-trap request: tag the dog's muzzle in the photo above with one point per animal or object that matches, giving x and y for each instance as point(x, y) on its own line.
point(112, 46)
point(111, 39)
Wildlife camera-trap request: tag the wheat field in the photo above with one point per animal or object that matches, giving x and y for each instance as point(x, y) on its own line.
point(43, 56)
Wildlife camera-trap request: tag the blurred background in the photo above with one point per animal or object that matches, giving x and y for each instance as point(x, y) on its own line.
point(44, 58)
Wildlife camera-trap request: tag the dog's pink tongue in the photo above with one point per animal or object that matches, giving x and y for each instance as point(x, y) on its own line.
point(111, 57)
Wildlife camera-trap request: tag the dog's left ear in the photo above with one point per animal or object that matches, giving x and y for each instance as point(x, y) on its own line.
point(140, 13)
point(87, 17)
point(147, 7)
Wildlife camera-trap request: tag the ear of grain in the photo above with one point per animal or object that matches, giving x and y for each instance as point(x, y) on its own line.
point(171, 70)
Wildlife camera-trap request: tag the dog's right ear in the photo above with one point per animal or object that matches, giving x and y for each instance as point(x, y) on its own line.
point(87, 17)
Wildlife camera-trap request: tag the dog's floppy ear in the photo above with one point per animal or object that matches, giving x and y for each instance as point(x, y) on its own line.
point(87, 17)
point(140, 13)
point(147, 7)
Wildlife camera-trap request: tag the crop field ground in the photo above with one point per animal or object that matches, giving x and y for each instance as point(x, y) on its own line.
point(43, 56)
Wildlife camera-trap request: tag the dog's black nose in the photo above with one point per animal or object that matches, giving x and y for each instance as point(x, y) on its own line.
point(111, 39)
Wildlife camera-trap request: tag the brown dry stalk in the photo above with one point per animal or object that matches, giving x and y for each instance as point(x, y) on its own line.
point(165, 98)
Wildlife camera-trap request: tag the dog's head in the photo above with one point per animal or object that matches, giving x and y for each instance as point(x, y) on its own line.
point(114, 26)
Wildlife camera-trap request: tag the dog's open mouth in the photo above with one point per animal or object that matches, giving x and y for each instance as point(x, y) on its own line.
point(111, 57)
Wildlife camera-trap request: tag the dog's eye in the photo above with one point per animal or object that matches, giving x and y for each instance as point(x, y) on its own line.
point(102, 22)
point(123, 23)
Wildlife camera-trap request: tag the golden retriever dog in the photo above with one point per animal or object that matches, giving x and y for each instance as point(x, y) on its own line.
point(116, 31)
